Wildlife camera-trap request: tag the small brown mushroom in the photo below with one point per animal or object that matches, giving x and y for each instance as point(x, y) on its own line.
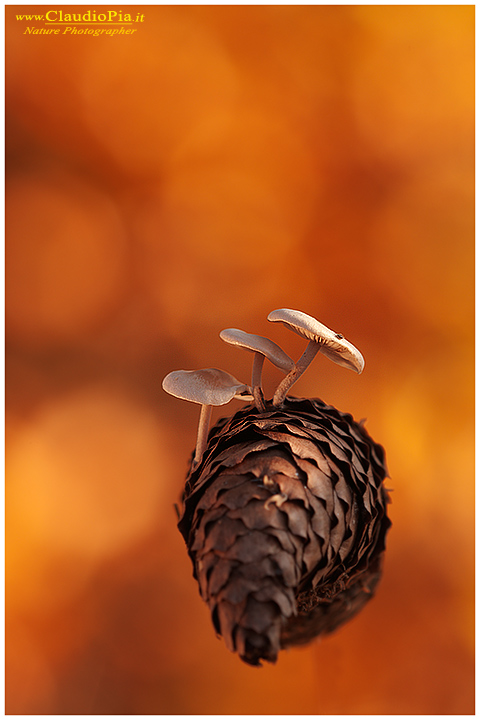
point(208, 387)
point(322, 339)
point(263, 348)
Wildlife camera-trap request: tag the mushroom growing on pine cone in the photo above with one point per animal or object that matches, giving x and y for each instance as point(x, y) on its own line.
point(284, 514)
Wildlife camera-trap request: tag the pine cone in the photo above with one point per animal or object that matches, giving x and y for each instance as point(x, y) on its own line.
point(285, 522)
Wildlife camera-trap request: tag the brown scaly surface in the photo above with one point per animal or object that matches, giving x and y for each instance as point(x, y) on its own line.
point(285, 523)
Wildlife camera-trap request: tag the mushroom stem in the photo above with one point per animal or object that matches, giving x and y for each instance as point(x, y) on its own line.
point(258, 361)
point(311, 350)
point(202, 433)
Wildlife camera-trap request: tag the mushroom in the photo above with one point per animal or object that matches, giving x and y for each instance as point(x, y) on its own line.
point(263, 348)
point(207, 387)
point(322, 339)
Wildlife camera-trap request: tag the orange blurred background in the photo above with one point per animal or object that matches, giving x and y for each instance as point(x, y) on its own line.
point(219, 163)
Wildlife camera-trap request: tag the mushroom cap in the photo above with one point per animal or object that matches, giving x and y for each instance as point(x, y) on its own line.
point(332, 344)
point(257, 343)
point(208, 386)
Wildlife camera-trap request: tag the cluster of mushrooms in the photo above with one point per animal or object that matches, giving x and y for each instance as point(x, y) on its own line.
point(213, 387)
